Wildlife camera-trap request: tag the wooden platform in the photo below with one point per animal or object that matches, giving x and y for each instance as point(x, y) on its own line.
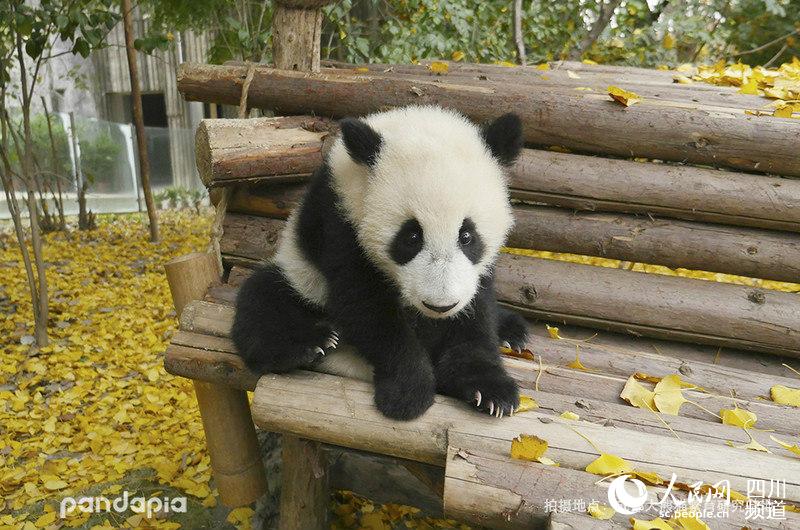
point(685, 179)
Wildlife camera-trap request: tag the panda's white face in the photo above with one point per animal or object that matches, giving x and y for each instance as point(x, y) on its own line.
point(430, 205)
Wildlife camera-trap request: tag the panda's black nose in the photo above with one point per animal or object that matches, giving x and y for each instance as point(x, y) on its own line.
point(440, 308)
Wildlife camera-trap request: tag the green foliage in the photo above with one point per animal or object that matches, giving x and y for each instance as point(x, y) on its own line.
point(176, 197)
point(99, 154)
point(83, 23)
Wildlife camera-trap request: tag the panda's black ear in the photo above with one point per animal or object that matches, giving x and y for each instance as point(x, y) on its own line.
point(504, 138)
point(360, 140)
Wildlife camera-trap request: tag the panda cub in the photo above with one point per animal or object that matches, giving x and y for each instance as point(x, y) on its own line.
point(392, 251)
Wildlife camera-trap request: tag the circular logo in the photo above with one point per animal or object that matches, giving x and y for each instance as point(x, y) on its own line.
point(622, 501)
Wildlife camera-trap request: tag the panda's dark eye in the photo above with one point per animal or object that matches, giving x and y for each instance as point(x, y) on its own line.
point(407, 242)
point(469, 239)
point(412, 238)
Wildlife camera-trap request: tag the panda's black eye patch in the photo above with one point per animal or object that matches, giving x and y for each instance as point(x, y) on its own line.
point(407, 242)
point(470, 241)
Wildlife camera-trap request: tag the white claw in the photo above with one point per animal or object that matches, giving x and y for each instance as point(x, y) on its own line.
point(491, 407)
point(478, 398)
point(501, 413)
point(330, 344)
point(511, 413)
point(319, 350)
point(506, 344)
point(518, 350)
point(335, 334)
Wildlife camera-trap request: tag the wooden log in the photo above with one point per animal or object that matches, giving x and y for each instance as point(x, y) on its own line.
point(225, 411)
point(651, 304)
point(305, 493)
point(684, 192)
point(668, 307)
point(335, 410)
point(485, 486)
point(555, 379)
point(714, 137)
point(250, 237)
point(594, 396)
point(190, 276)
point(743, 251)
point(232, 151)
point(282, 148)
point(653, 88)
point(275, 200)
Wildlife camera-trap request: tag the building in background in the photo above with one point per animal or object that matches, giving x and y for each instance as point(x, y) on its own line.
point(96, 90)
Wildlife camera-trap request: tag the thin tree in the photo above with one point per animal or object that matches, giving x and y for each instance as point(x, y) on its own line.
point(138, 121)
point(519, 40)
point(604, 15)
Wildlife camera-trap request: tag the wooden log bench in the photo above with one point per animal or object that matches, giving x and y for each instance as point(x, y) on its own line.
point(262, 165)
point(719, 198)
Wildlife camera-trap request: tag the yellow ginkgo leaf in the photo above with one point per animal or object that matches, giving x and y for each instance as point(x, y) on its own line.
point(786, 110)
point(507, 64)
point(623, 97)
point(553, 331)
point(362, 70)
point(577, 364)
point(783, 395)
point(668, 42)
point(668, 396)
point(588, 61)
point(46, 520)
point(656, 524)
point(543, 66)
point(750, 87)
point(439, 67)
point(649, 477)
point(738, 417)
point(606, 464)
point(569, 415)
point(528, 447)
point(789, 447)
point(526, 403)
point(753, 444)
point(457, 55)
point(600, 511)
point(637, 395)
point(240, 516)
point(54, 485)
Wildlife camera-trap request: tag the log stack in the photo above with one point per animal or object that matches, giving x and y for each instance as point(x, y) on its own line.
point(684, 179)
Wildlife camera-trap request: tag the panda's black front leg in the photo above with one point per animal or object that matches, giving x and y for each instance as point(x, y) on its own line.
point(472, 371)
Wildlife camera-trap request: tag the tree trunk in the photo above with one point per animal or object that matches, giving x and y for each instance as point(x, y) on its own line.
point(519, 40)
point(603, 19)
point(39, 296)
point(58, 199)
point(662, 130)
point(138, 120)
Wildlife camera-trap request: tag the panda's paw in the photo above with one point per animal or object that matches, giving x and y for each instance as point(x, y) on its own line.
point(512, 330)
point(497, 395)
point(323, 340)
point(404, 398)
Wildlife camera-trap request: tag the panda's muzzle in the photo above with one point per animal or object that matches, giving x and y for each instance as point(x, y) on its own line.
point(440, 308)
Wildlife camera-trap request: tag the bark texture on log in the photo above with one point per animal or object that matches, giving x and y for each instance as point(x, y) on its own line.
point(742, 251)
point(231, 151)
point(305, 493)
point(661, 306)
point(243, 149)
point(296, 35)
point(594, 396)
point(669, 307)
point(745, 252)
point(485, 486)
point(340, 411)
point(655, 130)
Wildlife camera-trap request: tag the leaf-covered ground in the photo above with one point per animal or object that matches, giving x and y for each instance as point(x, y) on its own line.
point(95, 413)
